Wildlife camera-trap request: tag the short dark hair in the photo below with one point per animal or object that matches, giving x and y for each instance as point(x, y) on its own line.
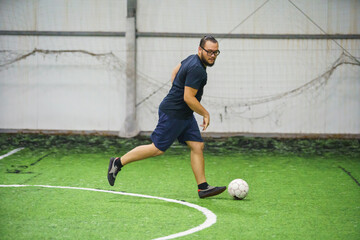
point(207, 38)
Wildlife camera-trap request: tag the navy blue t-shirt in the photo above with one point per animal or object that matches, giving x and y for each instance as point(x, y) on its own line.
point(192, 73)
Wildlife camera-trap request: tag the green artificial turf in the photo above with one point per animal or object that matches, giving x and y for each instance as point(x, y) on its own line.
point(299, 189)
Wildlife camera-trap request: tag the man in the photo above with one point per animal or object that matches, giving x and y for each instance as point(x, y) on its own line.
point(176, 119)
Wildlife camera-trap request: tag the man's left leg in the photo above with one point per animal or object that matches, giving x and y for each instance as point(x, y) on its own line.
point(197, 160)
point(198, 167)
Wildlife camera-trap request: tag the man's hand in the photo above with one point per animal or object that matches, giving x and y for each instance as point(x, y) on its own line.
point(206, 122)
point(194, 104)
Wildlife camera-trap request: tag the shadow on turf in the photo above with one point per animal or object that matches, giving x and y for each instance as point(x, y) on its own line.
point(231, 199)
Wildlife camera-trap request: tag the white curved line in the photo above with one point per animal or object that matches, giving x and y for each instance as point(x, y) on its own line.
point(210, 216)
point(11, 152)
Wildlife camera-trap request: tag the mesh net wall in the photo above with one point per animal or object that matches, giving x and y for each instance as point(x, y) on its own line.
point(256, 85)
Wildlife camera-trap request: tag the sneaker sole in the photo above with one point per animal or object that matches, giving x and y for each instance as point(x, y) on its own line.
point(110, 180)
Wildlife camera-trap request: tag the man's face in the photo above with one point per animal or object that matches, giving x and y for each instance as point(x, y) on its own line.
point(208, 53)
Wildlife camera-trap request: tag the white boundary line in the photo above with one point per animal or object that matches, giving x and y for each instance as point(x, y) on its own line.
point(210, 216)
point(10, 153)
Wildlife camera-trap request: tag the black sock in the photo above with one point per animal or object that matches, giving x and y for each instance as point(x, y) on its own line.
point(118, 163)
point(203, 186)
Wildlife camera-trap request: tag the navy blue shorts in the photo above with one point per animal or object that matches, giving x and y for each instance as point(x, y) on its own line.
point(169, 129)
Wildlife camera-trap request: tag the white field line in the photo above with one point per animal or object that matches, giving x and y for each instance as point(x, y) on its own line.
point(210, 216)
point(10, 153)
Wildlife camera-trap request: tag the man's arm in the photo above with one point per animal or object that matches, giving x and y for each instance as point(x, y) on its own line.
point(194, 104)
point(174, 72)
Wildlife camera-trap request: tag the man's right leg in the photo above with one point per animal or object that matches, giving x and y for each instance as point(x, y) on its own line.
point(138, 153)
point(165, 133)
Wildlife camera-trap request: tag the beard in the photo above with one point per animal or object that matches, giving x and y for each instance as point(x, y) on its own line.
point(204, 61)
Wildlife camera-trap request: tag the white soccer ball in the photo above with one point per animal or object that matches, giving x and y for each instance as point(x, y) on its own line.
point(238, 189)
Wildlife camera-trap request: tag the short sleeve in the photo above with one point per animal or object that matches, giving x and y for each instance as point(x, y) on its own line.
point(195, 77)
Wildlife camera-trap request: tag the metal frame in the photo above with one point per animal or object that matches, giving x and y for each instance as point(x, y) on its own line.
point(179, 35)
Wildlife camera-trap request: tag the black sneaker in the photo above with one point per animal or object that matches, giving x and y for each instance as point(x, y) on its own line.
point(211, 191)
point(112, 171)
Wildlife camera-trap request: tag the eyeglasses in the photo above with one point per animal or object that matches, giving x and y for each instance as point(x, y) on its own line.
point(209, 53)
